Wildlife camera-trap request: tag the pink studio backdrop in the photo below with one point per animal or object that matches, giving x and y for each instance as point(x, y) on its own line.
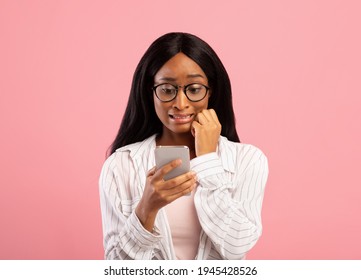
point(65, 74)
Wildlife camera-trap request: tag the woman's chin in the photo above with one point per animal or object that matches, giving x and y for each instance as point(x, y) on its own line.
point(180, 129)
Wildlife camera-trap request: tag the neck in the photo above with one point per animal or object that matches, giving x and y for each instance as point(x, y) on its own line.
point(181, 139)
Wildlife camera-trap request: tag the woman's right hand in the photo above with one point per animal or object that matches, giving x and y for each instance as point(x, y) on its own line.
point(158, 192)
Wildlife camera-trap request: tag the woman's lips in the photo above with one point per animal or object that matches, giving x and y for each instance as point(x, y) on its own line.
point(181, 118)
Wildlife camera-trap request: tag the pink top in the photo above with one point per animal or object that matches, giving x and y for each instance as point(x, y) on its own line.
point(184, 226)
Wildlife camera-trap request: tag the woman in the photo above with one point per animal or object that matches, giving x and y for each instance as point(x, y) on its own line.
point(181, 95)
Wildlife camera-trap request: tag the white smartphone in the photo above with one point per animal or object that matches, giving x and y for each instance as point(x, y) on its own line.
point(165, 154)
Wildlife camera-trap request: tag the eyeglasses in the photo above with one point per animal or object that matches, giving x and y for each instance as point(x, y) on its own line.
point(167, 92)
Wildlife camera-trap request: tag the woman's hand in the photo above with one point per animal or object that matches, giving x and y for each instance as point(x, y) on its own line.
point(158, 192)
point(206, 129)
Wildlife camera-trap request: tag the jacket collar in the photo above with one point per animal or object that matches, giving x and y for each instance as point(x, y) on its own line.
point(225, 150)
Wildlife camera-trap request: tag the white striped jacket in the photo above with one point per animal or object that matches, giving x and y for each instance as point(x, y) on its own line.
point(228, 202)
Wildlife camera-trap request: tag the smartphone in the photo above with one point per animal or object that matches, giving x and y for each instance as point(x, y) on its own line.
point(166, 154)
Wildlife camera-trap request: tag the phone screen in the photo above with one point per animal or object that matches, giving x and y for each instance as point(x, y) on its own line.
point(165, 154)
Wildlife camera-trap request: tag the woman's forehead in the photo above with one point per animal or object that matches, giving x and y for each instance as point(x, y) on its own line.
point(180, 66)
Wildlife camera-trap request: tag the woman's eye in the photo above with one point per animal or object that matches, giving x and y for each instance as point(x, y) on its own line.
point(194, 90)
point(168, 90)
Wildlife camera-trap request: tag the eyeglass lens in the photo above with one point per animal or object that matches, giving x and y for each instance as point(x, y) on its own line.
point(194, 92)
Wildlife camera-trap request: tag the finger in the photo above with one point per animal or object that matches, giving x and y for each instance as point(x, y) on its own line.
point(214, 116)
point(207, 115)
point(179, 190)
point(201, 118)
point(210, 115)
point(195, 126)
point(151, 171)
point(179, 180)
point(159, 174)
point(170, 194)
point(182, 190)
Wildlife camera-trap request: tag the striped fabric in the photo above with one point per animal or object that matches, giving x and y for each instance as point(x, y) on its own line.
point(228, 202)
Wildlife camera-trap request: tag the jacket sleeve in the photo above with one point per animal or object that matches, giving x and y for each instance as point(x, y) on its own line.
point(124, 236)
point(229, 203)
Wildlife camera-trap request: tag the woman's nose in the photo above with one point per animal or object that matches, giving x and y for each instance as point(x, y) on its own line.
point(181, 100)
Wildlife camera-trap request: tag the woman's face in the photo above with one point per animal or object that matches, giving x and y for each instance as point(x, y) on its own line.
point(178, 114)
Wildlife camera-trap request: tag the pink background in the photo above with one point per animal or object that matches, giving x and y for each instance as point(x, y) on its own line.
point(65, 74)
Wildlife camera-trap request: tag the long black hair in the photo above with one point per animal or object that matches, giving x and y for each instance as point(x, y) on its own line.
point(140, 119)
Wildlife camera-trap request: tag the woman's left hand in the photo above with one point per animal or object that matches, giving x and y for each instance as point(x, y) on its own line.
point(206, 130)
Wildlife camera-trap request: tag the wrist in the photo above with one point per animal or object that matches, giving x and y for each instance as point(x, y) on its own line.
point(146, 217)
point(204, 152)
